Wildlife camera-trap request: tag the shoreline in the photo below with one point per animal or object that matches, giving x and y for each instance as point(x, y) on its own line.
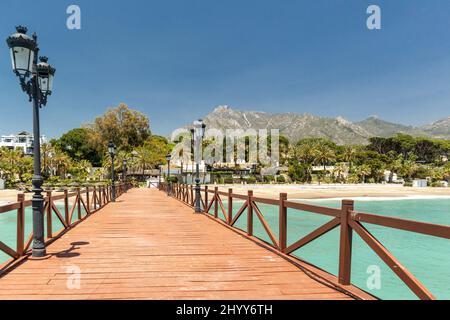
point(330, 192)
point(424, 197)
point(326, 192)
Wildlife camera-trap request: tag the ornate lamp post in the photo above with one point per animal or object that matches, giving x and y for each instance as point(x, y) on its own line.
point(36, 80)
point(198, 133)
point(168, 158)
point(112, 153)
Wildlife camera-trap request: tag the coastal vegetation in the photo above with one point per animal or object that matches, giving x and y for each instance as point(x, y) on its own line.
point(402, 157)
point(80, 155)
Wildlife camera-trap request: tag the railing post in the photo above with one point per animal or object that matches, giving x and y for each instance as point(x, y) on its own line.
point(94, 195)
point(49, 215)
point(192, 195)
point(20, 224)
point(100, 196)
point(206, 199)
point(216, 202)
point(283, 222)
point(66, 207)
point(230, 206)
point(250, 214)
point(87, 201)
point(345, 254)
point(79, 203)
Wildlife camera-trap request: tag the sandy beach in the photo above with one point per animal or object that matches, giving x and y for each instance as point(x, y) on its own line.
point(8, 196)
point(339, 191)
point(309, 191)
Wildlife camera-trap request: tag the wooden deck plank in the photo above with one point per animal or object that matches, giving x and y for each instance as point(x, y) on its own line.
point(149, 246)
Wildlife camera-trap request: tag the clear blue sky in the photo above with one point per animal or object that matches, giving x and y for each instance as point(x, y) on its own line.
point(175, 60)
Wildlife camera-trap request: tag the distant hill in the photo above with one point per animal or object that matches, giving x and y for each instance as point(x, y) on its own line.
point(340, 130)
point(380, 128)
point(439, 129)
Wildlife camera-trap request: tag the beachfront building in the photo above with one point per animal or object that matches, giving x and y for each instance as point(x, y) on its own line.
point(420, 183)
point(22, 140)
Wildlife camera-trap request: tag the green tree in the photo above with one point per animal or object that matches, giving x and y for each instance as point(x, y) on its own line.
point(127, 128)
point(79, 145)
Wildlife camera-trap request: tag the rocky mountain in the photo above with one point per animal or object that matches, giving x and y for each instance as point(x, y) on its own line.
point(380, 128)
point(439, 129)
point(298, 126)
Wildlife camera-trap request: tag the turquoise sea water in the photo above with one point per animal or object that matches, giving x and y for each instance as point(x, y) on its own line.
point(8, 226)
point(428, 258)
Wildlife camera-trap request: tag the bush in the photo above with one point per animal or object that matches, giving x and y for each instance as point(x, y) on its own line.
point(298, 172)
point(408, 184)
point(228, 180)
point(437, 185)
point(269, 179)
point(281, 179)
point(353, 178)
point(251, 180)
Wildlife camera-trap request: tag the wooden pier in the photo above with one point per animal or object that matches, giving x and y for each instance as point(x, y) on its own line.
point(150, 246)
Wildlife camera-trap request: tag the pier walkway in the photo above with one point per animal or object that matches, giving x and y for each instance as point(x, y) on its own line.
point(149, 246)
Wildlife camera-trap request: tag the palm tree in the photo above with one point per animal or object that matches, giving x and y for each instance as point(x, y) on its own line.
point(339, 171)
point(306, 153)
point(61, 163)
point(324, 155)
point(409, 169)
point(349, 155)
point(81, 169)
point(395, 164)
point(143, 157)
point(363, 171)
point(47, 152)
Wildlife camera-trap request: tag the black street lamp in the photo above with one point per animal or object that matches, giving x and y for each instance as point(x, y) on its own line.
point(168, 158)
point(198, 133)
point(112, 153)
point(36, 80)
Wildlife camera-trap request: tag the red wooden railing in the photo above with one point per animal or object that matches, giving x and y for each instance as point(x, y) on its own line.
point(91, 199)
point(345, 218)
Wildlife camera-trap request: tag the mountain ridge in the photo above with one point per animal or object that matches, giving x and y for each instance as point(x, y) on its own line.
point(296, 126)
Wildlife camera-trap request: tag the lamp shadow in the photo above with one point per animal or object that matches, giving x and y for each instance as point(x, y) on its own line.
point(70, 253)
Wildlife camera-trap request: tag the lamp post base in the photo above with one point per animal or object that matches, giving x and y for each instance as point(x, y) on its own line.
point(41, 256)
point(198, 208)
point(37, 202)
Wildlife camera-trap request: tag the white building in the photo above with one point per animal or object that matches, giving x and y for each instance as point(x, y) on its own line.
point(420, 183)
point(23, 140)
